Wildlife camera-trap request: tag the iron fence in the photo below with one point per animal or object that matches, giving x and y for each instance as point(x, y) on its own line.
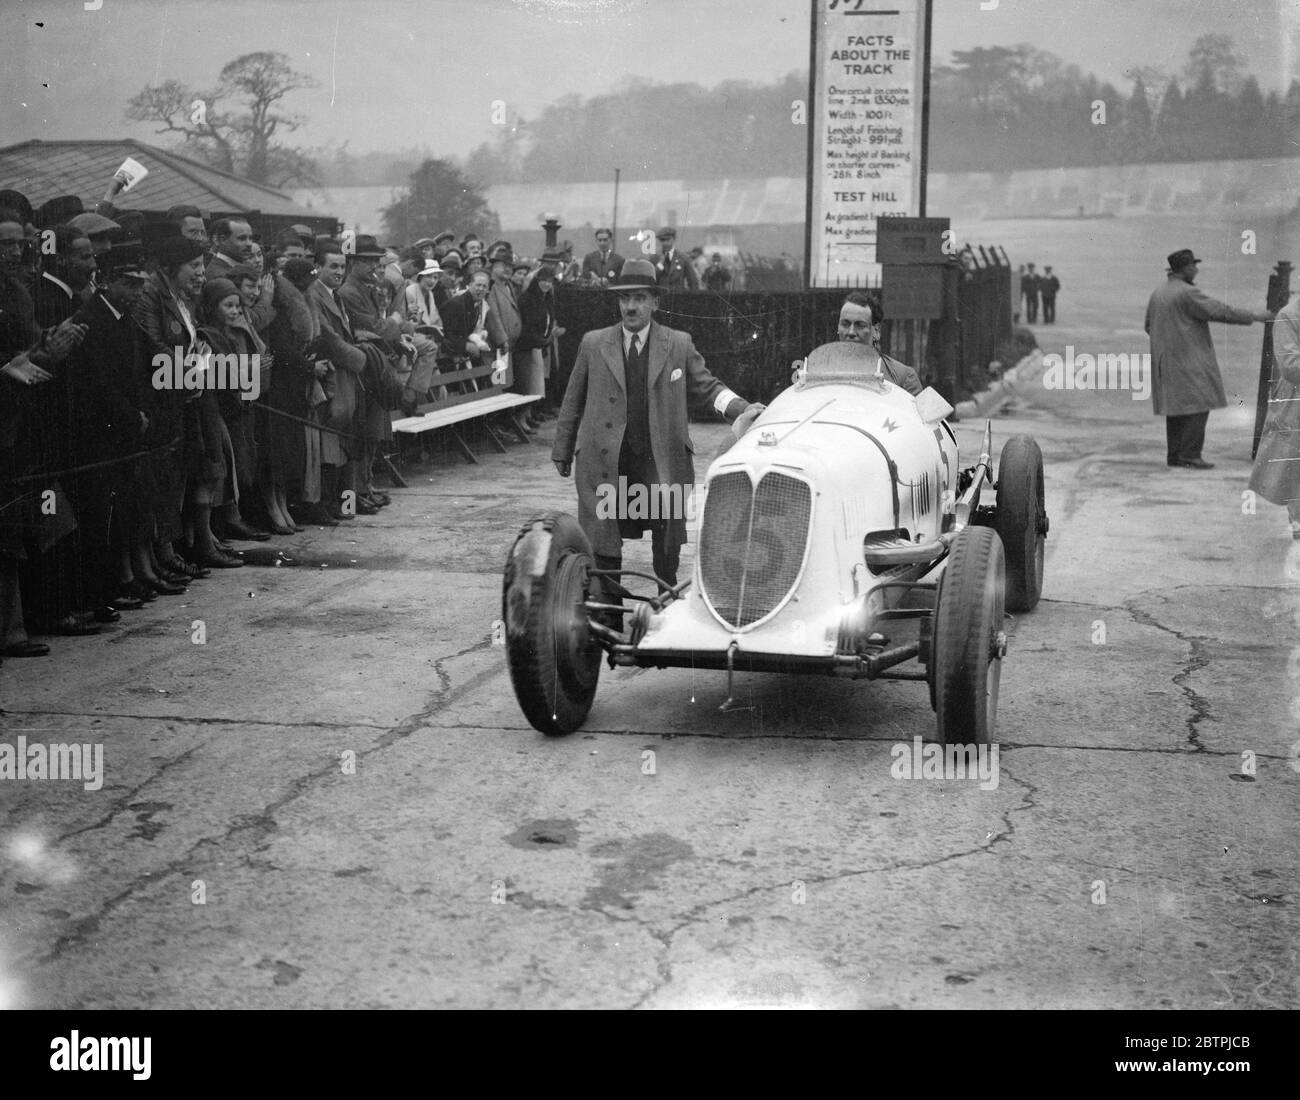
point(749, 339)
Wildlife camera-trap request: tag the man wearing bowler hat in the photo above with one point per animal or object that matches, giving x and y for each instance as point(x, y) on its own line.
point(1186, 383)
point(625, 416)
point(676, 272)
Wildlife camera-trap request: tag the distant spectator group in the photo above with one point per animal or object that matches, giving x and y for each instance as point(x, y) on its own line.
point(1035, 287)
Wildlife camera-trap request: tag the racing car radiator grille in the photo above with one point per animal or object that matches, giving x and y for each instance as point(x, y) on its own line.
point(752, 543)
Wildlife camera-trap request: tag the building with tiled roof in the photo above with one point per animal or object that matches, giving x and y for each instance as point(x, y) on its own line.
point(42, 170)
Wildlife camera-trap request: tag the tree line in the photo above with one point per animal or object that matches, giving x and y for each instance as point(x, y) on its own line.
point(992, 109)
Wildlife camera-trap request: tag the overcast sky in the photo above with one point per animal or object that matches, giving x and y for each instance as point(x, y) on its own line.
point(398, 73)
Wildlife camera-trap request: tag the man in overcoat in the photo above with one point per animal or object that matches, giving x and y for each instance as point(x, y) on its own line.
point(1186, 383)
point(625, 415)
point(340, 454)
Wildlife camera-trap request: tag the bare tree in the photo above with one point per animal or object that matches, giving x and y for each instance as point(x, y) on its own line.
point(241, 138)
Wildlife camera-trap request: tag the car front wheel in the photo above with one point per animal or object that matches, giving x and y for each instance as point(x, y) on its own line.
point(1022, 520)
point(554, 661)
point(969, 639)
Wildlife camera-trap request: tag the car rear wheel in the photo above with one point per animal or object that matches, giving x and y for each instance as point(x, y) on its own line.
point(554, 661)
point(969, 640)
point(1022, 520)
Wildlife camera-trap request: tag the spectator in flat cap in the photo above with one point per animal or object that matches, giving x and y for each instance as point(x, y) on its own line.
point(443, 243)
point(448, 284)
point(675, 272)
point(102, 231)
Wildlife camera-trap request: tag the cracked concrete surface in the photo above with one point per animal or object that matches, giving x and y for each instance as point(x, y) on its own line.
point(343, 777)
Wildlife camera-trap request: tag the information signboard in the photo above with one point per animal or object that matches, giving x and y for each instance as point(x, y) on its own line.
point(866, 131)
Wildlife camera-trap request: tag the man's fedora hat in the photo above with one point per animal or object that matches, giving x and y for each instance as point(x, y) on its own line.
point(636, 275)
point(1182, 258)
point(124, 260)
point(57, 211)
point(667, 233)
point(452, 259)
point(368, 247)
point(18, 203)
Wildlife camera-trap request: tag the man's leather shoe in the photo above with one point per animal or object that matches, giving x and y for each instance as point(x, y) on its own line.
point(106, 614)
point(365, 508)
point(164, 588)
point(73, 626)
point(1194, 464)
point(139, 591)
point(313, 513)
point(238, 529)
point(218, 559)
point(195, 572)
point(123, 602)
point(27, 649)
point(382, 499)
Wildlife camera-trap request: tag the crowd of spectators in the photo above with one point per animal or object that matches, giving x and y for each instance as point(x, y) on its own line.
point(170, 388)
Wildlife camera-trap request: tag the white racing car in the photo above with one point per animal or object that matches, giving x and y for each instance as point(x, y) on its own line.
point(840, 514)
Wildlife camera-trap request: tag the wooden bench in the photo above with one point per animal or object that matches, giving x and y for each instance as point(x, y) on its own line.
point(476, 396)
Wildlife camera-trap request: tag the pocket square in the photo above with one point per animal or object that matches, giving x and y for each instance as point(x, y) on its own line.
point(675, 375)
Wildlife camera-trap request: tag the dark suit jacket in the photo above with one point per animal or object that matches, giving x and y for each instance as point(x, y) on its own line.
point(594, 417)
point(677, 273)
point(460, 318)
point(592, 265)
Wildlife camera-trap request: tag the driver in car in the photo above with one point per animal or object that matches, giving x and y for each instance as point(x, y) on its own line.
point(860, 319)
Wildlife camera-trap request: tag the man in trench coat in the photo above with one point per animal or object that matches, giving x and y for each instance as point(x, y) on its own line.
point(625, 416)
point(1186, 382)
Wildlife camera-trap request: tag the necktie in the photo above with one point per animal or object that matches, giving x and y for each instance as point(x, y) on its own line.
point(637, 432)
